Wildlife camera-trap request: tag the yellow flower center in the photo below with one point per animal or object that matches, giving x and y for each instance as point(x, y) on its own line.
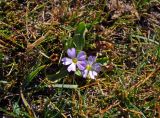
point(88, 67)
point(74, 60)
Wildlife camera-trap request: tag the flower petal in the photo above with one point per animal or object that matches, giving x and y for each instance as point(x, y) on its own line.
point(96, 67)
point(85, 73)
point(81, 65)
point(81, 56)
point(92, 74)
point(91, 59)
point(66, 61)
point(71, 67)
point(71, 53)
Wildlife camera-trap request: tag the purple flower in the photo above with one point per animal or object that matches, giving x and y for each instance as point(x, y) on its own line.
point(92, 68)
point(73, 60)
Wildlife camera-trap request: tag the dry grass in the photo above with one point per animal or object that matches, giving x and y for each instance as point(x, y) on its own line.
point(34, 36)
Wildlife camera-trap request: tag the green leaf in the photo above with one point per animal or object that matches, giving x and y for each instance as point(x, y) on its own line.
point(34, 73)
point(11, 114)
point(60, 74)
point(158, 53)
point(103, 60)
point(78, 72)
point(79, 36)
point(5, 33)
point(69, 43)
point(16, 108)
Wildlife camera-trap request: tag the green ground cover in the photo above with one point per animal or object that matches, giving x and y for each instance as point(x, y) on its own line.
point(36, 34)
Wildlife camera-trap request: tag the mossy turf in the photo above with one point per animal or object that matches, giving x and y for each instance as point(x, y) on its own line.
point(123, 34)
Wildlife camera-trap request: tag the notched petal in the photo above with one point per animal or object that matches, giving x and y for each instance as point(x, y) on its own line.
point(71, 53)
point(81, 65)
point(81, 56)
point(66, 61)
point(91, 59)
point(71, 67)
point(96, 67)
point(85, 73)
point(92, 74)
